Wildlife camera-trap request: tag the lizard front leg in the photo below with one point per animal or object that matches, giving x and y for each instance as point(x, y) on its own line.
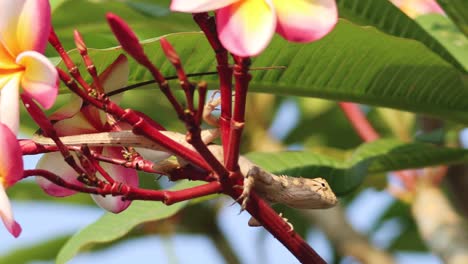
point(259, 176)
point(249, 182)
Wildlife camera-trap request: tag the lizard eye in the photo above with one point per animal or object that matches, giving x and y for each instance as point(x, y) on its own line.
point(323, 185)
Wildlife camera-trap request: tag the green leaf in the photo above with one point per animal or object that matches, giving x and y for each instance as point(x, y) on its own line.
point(363, 65)
point(457, 10)
point(68, 16)
point(54, 4)
point(149, 9)
point(352, 63)
point(315, 128)
point(113, 226)
point(443, 29)
point(370, 158)
point(30, 191)
point(386, 17)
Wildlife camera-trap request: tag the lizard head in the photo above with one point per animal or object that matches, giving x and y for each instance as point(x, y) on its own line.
point(302, 193)
point(308, 193)
point(321, 186)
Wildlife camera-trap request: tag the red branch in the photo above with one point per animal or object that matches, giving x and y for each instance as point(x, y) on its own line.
point(359, 121)
point(131, 193)
point(242, 77)
point(281, 230)
point(231, 124)
point(208, 26)
point(130, 44)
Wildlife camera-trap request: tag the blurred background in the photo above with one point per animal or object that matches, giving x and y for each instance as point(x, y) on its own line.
point(368, 221)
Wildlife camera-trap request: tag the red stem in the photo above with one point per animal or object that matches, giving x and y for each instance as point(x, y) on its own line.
point(208, 26)
point(174, 58)
point(359, 121)
point(281, 230)
point(132, 193)
point(130, 44)
point(242, 77)
point(44, 123)
point(72, 68)
point(171, 197)
point(225, 86)
point(231, 136)
point(194, 138)
point(80, 44)
point(59, 181)
point(140, 125)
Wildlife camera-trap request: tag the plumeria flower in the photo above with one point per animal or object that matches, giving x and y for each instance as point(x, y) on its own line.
point(78, 118)
point(245, 27)
point(24, 29)
point(414, 8)
point(11, 170)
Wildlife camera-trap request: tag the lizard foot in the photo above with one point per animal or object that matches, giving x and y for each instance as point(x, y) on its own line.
point(208, 109)
point(254, 222)
point(249, 181)
point(244, 197)
point(291, 227)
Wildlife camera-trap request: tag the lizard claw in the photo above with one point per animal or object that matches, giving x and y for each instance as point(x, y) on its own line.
point(291, 227)
point(249, 182)
point(244, 197)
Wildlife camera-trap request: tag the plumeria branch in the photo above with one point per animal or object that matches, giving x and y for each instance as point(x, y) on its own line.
point(242, 78)
point(131, 193)
point(208, 26)
point(44, 123)
point(229, 177)
point(222, 176)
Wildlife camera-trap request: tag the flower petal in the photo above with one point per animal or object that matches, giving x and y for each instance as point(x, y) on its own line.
point(11, 159)
point(305, 20)
point(54, 163)
point(7, 215)
point(78, 124)
point(115, 204)
point(96, 117)
point(40, 79)
point(415, 8)
point(9, 103)
point(245, 28)
point(115, 76)
point(7, 60)
point(197, 6)
point(71, 108)
point(153, 155)
point(24, 25)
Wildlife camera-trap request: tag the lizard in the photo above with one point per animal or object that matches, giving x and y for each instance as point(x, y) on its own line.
point(301, 193)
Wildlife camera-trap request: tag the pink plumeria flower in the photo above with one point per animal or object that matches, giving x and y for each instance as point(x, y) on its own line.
point(11, 170)
point(24, 29)
point(245, 27)
point(415, 8)
point(77, 118)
